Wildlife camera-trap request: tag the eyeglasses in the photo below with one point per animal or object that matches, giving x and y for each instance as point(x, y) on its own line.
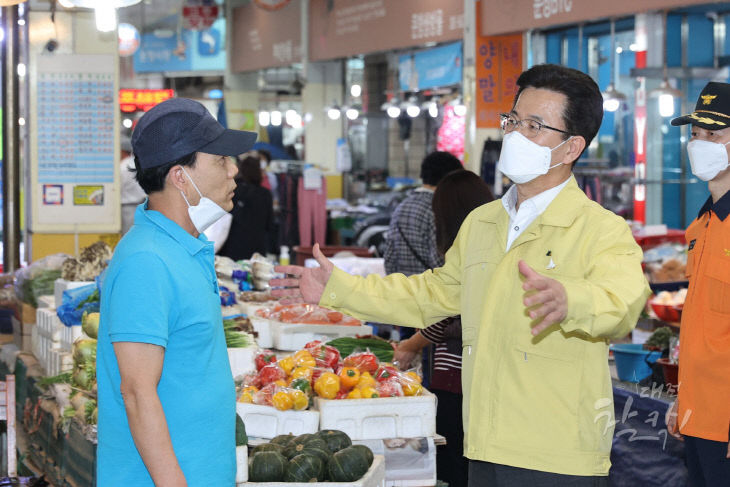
point(532, 127)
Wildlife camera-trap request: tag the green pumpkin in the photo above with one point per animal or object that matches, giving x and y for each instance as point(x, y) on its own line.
point(366, 451)
point(301, 439)
point(282, 439)
point(267, 447)
point(336, 440)
point(267, 466)
point(305, 468)
point(347, 465)
point(241, 438)
point(295, 448)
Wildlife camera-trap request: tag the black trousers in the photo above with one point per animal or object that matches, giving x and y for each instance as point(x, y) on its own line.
point(707, 463)
point(487, 474)
point(451, 464)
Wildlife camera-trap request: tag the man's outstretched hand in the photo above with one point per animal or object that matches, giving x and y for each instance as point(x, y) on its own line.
point(303, 285)
point(546, 296)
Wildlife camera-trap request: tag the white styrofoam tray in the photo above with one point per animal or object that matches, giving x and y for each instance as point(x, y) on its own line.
point(384, 417)
point(293, 336)
point(374, 477)
point(241, 464)
point(268, 422)
point(242, 360)
point(264, 328)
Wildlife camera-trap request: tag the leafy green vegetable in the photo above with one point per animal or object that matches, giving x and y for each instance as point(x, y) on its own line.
point(91, 298)
point(659, 340)
point(90, 412)
point(62, 378)
point(348, 345)
point(237, 339)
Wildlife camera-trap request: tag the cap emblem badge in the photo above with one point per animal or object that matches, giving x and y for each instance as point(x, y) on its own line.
point(707, 99)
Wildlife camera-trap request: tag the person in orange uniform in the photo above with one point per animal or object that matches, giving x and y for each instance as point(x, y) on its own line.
point(701, 414)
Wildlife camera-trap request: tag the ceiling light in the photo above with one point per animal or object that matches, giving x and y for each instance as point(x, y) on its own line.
point(333, 113)
point(352, 113)
point(433, 109)
point(460, 109)
point(275, 118)
point(393, 111)
point(355, 90)
point(413, 111)
point(106, 17)
point(264, 118)
point(21, 69)
point(127, 123)
point(292, 118)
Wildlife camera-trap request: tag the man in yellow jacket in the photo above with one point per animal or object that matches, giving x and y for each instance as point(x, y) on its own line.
point(542, 280)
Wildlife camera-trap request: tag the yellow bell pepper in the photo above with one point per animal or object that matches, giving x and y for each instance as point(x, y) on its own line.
point(301, 373)
point(368, 392)
point(304, 359)
point(246, 397)
point(327, 385)
point(281, 382)
point(300, 399)
point(282, 401)
point(366, 380)
point(354, 394)
point(287, 364)
point(349, 377)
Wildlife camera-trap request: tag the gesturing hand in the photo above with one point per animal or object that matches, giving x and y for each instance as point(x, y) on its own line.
point(303, 285)
point(548, 293)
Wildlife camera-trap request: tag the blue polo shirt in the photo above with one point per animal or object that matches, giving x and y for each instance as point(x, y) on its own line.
point(161, 288)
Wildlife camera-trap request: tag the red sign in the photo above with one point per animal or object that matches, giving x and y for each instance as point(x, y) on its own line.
point(133, 100)
point(199, 17)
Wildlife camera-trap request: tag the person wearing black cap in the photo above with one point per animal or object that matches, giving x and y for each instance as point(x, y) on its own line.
point(166, 394)
point(701, 413)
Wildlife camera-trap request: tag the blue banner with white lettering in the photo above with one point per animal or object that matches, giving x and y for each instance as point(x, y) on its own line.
point(432, 68)
point(166, 50)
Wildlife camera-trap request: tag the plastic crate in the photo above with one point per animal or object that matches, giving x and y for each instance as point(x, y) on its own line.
point(374, 477)
point(293, 336)
point(649, 241)
point(381, 418)
point(268, 422)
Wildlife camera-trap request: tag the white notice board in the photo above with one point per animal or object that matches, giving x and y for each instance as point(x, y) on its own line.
point(74, 144)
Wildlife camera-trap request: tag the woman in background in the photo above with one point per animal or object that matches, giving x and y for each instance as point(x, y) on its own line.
point(458, 193)
point(253, 213)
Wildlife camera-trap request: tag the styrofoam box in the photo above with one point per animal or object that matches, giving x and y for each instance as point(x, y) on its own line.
point(384, 417)
point(49, 325)
point(69, 335)
point(61, 285)
point(293, 336)
point(241, 464)
point(59, 361)
point(249, 308)
point(264, 328)
point(242, 360)
point(46, 301)
point(268, 422)
point(374, 477)
point(407, 464)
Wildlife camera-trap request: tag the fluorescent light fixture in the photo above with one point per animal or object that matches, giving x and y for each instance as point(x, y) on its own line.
point(666, 104)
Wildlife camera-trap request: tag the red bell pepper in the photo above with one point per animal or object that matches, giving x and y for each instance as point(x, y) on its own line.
point(264, 358)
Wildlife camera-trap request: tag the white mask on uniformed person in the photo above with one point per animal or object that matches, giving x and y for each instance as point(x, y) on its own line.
point(707, 159)
point(522, 160)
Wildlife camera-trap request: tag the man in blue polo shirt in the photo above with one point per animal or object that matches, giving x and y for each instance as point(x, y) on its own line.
point(166, 394)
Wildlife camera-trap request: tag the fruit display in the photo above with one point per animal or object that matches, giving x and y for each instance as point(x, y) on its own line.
point(325, 456)
point(668, 305)
point(292, 381)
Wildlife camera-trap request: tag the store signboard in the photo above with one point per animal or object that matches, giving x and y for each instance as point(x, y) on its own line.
point(432, 68)
point(166, 51)
point(342, 28)
point(521, 15)
point(266, 38)
point(498, 64)
point(132, 100)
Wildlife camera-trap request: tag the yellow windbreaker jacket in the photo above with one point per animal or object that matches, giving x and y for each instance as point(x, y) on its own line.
point(543, 403)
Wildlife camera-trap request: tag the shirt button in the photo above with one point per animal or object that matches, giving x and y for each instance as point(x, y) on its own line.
point(333, 295)
point(516, 228)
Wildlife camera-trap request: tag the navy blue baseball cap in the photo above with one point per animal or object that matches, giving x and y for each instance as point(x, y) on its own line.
point(178, 127)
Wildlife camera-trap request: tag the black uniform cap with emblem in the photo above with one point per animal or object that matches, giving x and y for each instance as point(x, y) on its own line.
point(712, 111)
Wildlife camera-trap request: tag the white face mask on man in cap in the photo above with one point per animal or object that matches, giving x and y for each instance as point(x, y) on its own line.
point(206, 212)
point(707, 159)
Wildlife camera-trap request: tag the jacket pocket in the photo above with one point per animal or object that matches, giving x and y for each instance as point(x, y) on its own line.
point(718, 287)
point(539, 393)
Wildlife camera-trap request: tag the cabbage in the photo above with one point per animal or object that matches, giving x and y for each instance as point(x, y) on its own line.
point(83, 378)
point(90, 324)
point(84, 351)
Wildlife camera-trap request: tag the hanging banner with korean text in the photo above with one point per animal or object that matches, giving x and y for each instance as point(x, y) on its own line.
point(498, 65)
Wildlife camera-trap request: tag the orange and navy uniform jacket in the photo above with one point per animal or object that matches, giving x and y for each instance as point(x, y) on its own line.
point(704, 354)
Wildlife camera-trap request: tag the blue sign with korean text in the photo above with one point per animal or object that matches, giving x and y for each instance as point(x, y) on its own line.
point(440, 66)
point(186, 50)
